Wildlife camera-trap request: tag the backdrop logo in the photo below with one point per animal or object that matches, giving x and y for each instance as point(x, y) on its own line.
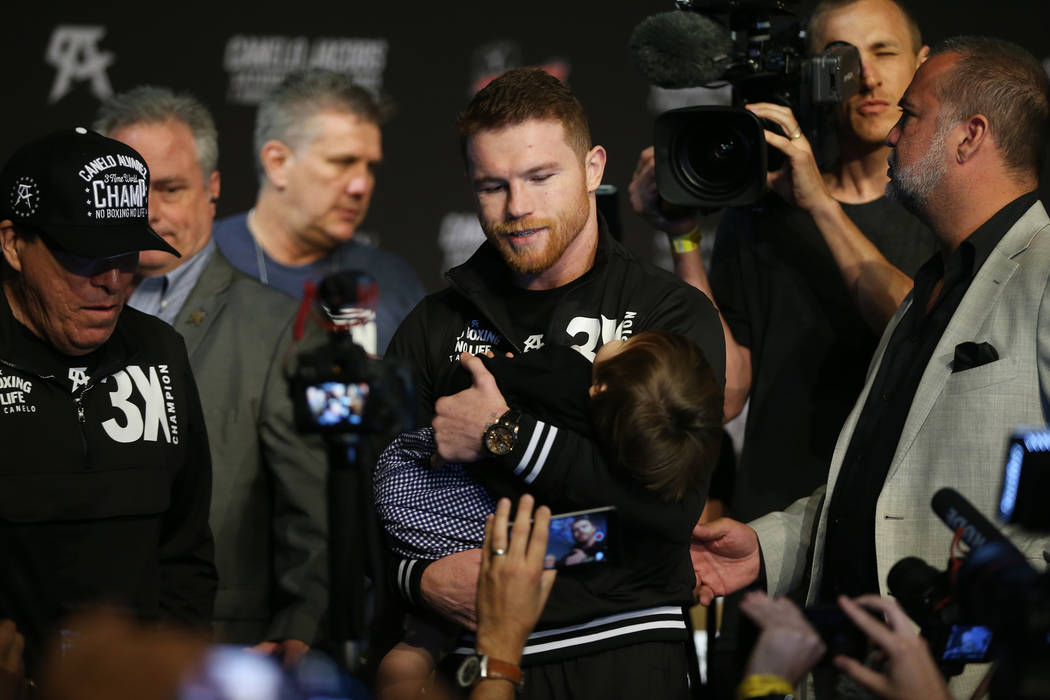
point(73, 51)
point(255, 64)
point(459, 236)
point(491, 60)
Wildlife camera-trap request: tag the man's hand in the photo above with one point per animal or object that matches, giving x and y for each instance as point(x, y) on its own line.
point(513, 586)
point(910, 669)
point(12, 668)
point(800, 181)
point(645, 199)
point(460, 420)
point(290, 651)
point(450, 584)
point(876, 286)
point(725, 558)
point(788, 646)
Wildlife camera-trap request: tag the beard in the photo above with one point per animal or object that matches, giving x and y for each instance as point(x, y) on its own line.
point(541, 255)
point(913, 185)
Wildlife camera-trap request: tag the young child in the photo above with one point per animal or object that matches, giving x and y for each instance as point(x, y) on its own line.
point(651, 403)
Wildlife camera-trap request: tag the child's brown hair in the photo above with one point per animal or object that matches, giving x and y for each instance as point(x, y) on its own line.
point(658, 412)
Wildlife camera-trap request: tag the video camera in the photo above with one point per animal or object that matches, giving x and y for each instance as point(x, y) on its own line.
point(342, 392)
point(337, 387)
point(990, 604)
point(712, 157)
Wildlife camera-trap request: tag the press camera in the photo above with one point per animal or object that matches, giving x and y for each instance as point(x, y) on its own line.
point(712, 157)
point(991, 603)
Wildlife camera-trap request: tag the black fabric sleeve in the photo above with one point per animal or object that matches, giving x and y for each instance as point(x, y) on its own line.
point(411, 344)
point(298, 467)
point(687, 311)
point(566, 471)
point(187, 552)
point(551, 384)
point(407, 575)
point(728, 275)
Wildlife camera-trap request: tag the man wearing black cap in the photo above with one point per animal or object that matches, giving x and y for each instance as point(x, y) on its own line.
point(106, 478)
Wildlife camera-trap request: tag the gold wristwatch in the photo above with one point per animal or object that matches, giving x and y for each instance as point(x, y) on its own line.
point(500, 438)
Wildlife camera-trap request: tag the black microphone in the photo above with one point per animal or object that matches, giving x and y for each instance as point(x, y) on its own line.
point(680, 49)
point(957, 512)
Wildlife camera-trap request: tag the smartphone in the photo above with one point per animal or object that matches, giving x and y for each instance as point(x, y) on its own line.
point(584, 537)
point(968, 643)
point(838, 632)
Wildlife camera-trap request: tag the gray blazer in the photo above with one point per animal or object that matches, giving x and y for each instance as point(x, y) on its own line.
point(957, 427)
point(268, 510)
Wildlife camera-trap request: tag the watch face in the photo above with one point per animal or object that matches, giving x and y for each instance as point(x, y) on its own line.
point(499, 439)
point(468, 671)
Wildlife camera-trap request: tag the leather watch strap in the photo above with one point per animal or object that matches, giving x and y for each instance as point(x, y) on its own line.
point(497, 668)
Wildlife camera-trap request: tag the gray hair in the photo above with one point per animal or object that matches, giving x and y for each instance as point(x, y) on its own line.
point(1006, 84)
point(285, 114)
point(152, 105)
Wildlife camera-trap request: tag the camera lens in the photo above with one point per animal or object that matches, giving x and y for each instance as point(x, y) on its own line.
point(714, 158)
point(710, 157)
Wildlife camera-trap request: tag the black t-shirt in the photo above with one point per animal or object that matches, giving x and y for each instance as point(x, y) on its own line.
point(782, 294)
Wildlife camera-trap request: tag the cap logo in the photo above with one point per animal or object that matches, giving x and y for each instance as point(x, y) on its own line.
point(113, 192)
point(25, 196)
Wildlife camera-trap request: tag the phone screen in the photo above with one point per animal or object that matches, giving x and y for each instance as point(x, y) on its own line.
point(968, 643)
point(583, 537)
point(334, 403)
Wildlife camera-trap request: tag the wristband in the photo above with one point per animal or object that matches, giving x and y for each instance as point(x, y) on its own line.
point(686, 242)
point(762, 685)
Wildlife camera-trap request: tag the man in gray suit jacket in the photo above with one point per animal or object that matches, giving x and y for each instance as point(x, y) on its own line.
point(964, 361)
point(268, 510)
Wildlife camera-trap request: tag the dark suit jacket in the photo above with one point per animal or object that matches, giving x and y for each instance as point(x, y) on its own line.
point(268, 511)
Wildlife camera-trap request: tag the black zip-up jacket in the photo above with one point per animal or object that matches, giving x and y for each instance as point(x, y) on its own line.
point(610, 605)
point(105, 480)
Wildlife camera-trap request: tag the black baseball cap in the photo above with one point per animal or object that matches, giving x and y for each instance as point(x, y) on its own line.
point(83, 192)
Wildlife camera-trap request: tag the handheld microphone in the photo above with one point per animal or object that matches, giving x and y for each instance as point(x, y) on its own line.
point(680, 49)
point(958, 513)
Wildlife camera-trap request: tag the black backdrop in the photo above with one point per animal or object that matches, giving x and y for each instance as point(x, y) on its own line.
point(58, 57)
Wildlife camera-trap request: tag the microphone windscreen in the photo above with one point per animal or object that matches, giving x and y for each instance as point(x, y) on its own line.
point(680, 49)
point(345, 290)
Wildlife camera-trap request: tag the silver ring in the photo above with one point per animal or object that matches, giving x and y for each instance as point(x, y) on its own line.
point(796, 135)
point(499, 552)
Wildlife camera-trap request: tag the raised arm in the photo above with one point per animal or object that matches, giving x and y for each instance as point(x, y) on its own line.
point(876, 286)
point(683, 232)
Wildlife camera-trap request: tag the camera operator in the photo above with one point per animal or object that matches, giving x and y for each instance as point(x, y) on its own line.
point(789, 647)
point(802, 292)
point(963, 361)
